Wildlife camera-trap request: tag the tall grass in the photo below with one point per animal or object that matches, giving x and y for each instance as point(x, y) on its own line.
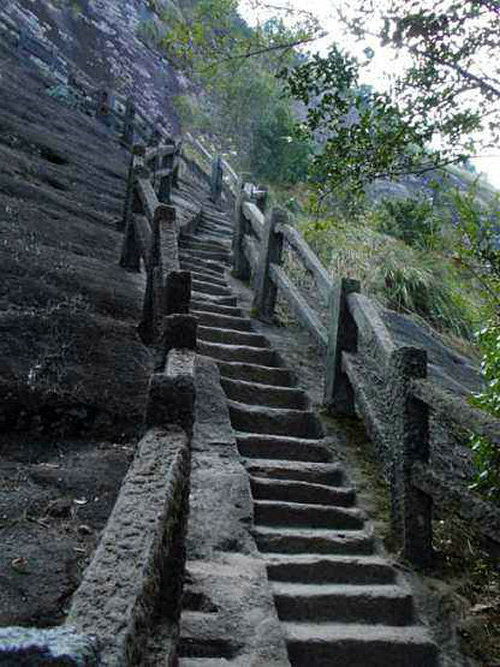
point(403, 278)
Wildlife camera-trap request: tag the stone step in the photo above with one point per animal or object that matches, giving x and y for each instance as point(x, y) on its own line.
point(204, 287)
point(202, 264)
point(330, 569)
point(271, 539)
point(242, 353)
point(215, 230)
point(331, 474)
point(301, 492)
point(255, 393)
point(274, 421)
point(231, 336)
point(194, 267)
point(217, 217)
point(358, 645)
point(213, 255)
point(213, 298)
point(202, 662)
point(343, 603)
point(272, 375)
point(265, 446)
point(203, 244)
point(217, 221)
point(281, 513)
point(225, 317)
point(208, 278)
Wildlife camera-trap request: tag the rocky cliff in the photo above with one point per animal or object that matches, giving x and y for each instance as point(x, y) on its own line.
point(97, 42)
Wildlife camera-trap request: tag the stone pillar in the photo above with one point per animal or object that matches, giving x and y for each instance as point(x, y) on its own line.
point(177, 295)
point(241, 265)
point(271, 246)
point(216, 180)
point(127, 138)
point(130, 257)
point(151, 309)
point(338, 394)
point(138, 151)
point(408, 428)
point(103, 109)
point(172, 392)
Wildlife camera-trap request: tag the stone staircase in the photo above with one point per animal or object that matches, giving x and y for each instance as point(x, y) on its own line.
point(339, 600)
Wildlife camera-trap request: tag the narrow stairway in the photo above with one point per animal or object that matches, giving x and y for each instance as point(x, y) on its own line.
point(339, 600)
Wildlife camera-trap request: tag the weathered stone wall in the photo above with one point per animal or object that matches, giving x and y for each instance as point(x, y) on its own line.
point(99, 41)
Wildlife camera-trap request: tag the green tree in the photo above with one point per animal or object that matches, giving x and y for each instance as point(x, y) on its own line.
point(208, 33)
point(360, 134)
point(452, 76)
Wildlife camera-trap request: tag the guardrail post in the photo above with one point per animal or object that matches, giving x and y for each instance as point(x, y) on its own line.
point(148, 327)
point(103, 109)
point(137, 151)
point(408, 427)
point(338, 395)
point(261, 197)
point(241, 265)
point(127, 138)
point(216, 181)
point(176, 165)
point(165, 187)
point(177, 295)
point(271, 247)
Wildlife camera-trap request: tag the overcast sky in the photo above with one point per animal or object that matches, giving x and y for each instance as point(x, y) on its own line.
point(326, 12)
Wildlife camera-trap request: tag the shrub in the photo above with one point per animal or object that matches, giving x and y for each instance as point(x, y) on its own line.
point(486, 454)
point(412, 220)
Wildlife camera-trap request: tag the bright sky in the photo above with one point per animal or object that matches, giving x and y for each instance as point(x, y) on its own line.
point(377, 74)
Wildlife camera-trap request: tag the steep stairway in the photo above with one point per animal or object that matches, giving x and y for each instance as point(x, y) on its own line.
point(339, 600)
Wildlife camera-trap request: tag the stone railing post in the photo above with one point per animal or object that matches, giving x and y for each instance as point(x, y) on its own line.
point(261, 198)
point(138, 151)
point(130, 257)
point(338, 395)
point(177, 294)
point(408, 431)
point(103, 108)
point(127, 138)
point(216, 181)
point(241, 265)
point(165, 185)
point(151, 309)
point(271, 247)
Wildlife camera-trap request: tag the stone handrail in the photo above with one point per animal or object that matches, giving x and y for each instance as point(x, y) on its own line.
point(151, 235)
point(356, 341)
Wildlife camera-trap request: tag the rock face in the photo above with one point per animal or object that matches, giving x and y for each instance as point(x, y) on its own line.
point(98, 41)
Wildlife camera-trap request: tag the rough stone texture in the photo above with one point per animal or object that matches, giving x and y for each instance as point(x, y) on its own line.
point(120, 592)
point(226, 582)
point(69, 312)
point(179, 331)
point(40, 648)
point(99, 42)
point(172, 393)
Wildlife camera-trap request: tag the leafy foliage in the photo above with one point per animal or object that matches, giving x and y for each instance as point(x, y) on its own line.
point(242, 104)
point(208, 33)
point(413, 220)
point(404, 278)
point(453, 75)
point(361, 134)
point(486, 454)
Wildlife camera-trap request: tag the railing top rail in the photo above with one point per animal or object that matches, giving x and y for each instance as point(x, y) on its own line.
point(308, 257)
point(370, 324)
point(161, 151)
point(456, 408)
point(255, 216)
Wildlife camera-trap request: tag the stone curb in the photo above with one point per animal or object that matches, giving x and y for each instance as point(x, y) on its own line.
point(119, 594)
